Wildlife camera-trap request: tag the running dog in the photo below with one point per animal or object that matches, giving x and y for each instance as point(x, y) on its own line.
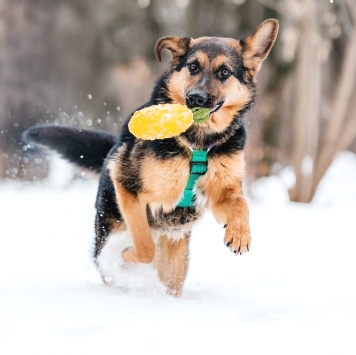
point(142, 182)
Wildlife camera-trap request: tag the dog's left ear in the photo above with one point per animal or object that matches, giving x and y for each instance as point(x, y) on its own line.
point(177, 45)
point(257, 47)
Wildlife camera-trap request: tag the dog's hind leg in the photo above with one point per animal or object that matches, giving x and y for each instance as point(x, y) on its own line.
point(102, 231)
point(108, 218)
point(104, 227)
point(172, 263)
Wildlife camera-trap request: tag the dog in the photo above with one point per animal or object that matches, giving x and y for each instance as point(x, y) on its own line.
point(142, 181)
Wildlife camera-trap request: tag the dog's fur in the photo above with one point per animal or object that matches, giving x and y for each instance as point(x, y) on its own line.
point(141, 182)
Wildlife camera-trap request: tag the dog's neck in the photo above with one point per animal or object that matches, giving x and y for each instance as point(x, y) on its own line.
point(193, 146)
point(198, 138)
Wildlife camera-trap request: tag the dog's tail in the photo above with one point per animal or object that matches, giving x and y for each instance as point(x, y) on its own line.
point(85, 148)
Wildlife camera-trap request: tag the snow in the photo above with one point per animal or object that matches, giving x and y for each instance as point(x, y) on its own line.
point(293, 293)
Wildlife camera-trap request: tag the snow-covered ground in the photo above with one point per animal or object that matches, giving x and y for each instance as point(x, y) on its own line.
point(293, 293)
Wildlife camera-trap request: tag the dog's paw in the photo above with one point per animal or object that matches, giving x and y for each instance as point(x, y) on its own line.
point(237, 237)
point(130, 255)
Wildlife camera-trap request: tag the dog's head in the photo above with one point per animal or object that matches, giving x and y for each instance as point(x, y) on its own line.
point(216, 73)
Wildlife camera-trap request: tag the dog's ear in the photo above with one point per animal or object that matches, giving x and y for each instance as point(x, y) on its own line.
point(177, 45)
point(257, 47)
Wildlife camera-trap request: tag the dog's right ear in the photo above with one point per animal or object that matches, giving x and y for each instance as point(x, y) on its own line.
point(177, 45)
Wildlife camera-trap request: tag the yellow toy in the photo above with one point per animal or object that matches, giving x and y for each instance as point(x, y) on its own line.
point(165, 120)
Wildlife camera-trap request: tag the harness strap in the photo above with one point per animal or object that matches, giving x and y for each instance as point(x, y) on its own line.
point(198, 167)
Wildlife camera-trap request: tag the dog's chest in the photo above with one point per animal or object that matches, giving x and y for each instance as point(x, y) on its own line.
point(160, 182)
point(164, 181)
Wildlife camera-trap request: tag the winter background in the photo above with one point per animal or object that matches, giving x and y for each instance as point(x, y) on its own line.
point(293, 293)
point(89, 64)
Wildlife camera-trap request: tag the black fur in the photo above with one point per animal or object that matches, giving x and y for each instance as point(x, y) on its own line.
point(85, 148)
point(106, 212)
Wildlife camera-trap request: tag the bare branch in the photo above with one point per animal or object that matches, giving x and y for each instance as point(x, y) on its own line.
point(349, 130)
point(345, 19)
point(273, 5)
point(280, 7)
point(343, 94)
point(350, 4)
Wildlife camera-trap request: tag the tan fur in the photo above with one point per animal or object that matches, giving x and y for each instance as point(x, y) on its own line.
point(133, 209)
point(259, 44)
point(236, 96)
point(134, 213)
point(177, 89)
point(172, 263)
point(222, 184)
point(220, 60)
point(177, 46)
point(169, 176)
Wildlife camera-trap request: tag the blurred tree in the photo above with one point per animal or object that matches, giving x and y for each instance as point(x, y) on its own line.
point(340, 130)
point(323, 121)
point(90, 63)
point(27, 75)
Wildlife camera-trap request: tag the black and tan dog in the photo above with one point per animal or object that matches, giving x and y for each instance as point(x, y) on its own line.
point(141, 182)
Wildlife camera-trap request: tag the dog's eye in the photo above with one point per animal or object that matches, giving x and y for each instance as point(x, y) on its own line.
point(193, 67)
point(224, 73)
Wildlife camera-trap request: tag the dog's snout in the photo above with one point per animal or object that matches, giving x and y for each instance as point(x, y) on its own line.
point(198, 98)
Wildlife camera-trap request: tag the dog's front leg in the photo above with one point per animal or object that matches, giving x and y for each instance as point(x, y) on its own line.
point(134, 213)
point(232, 210)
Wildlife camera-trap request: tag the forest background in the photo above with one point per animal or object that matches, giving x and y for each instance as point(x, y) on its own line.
point(90, 63)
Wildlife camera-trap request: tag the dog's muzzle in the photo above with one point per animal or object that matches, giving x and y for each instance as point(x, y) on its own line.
point(198, 98)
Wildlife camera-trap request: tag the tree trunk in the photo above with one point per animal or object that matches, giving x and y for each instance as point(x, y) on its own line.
point(307, 101)
point(337, 127)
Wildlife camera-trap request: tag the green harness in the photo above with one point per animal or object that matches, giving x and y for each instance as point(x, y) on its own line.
point(198, 167)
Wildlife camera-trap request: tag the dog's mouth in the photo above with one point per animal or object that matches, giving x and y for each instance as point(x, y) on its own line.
point(202, 114)
point(217, 106)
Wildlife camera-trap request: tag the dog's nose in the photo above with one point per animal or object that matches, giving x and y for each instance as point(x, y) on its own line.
point(198, 98)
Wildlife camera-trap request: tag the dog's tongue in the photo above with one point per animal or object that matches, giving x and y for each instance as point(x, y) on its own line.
point(200, 114)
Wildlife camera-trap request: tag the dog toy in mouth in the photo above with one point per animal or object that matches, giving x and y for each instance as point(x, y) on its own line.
point(165, 120)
